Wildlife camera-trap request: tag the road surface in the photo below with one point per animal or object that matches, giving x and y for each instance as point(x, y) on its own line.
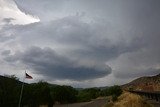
point(94, 103)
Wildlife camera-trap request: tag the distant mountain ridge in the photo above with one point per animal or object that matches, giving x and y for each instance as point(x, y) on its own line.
point(147, 83)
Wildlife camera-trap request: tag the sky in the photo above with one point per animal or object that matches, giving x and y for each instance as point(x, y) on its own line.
point(82, 43)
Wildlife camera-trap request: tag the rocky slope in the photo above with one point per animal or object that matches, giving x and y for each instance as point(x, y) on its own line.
point(148, 83)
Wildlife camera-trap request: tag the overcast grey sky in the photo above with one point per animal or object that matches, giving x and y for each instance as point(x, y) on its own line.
point(83, 43)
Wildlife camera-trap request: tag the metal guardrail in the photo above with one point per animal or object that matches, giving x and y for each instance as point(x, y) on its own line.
point(154, 95)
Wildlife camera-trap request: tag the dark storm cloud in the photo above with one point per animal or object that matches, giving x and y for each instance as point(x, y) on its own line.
point(138, 73)
point(6, 33)
point(4, 38)
point(47, 62)
point(6, 52)
point(87, 42)
point(87, 36)
point(7, 20)
point(83, 40)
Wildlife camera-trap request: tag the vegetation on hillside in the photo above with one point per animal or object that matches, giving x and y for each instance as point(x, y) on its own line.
point(43, 93)
point(113, 91)
point(88, 94)
point(9, 91)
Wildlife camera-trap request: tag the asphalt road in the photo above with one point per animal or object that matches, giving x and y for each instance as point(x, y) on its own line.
point(94, 103)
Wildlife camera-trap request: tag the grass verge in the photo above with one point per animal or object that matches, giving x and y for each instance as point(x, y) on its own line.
point(129, 100)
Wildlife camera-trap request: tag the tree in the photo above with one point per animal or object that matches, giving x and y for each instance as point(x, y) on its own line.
point(37, 94)
point(9, 91)
point(114, 91)
point(63, 94)
point(88, 94)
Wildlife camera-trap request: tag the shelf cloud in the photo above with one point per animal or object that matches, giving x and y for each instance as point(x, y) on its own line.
point(80, 41)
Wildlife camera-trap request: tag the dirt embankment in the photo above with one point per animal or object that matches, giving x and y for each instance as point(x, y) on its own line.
point(129, 100)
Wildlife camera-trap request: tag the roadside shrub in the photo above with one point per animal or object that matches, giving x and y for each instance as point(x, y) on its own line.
point(114, 98)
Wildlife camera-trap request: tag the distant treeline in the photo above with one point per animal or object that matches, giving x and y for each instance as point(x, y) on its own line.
point(43, 93)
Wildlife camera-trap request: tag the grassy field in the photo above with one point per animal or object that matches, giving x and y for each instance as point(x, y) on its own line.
point(129, 100)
